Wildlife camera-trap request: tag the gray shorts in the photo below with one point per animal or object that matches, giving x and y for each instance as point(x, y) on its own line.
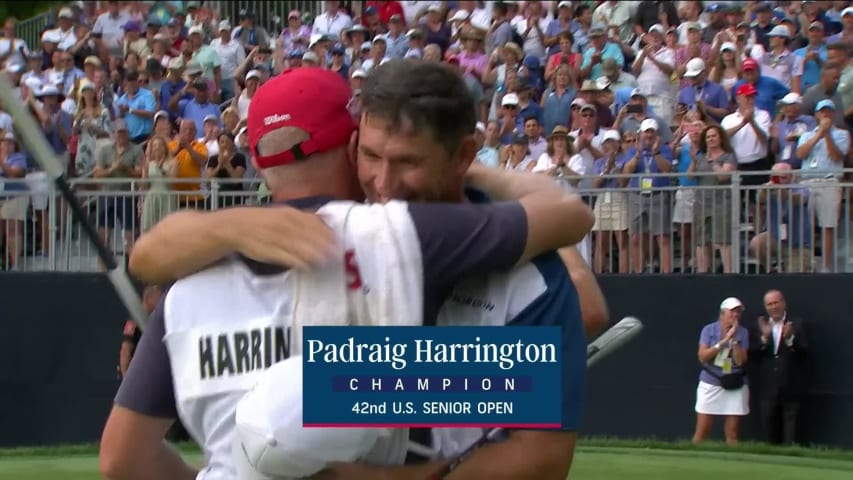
point(651, 213)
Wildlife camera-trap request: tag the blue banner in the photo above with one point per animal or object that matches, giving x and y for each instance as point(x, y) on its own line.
point(483, 377)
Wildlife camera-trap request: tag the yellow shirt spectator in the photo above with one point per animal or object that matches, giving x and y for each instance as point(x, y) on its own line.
point(189, 169)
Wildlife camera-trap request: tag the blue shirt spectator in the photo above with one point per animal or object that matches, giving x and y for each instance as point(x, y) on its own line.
point(648, 164)
point(137, 106)
point(789, 207)
point(684, 160)
point(167, 91)
point(790, 129)
point(610, 50)
point(711, 93)
point(768, 93)
point(557, 108)
point(192, 109)
point(811, 69)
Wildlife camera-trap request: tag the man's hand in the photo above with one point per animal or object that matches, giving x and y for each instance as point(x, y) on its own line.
point(787, 330)
point(825, 126)
point(282, 236)
point(766, 329)
point(748, 113)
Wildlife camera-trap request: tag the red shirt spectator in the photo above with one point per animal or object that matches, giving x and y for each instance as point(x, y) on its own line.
point(385, 10)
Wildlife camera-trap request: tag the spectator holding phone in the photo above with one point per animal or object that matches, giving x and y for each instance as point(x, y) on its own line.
point(723, 389)
point(781, 353)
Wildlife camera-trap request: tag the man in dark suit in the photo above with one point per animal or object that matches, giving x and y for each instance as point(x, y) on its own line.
point(781, 352)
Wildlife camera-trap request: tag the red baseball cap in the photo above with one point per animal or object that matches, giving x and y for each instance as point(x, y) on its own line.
point(746, 89)
point(311, 99)
point(749, 64)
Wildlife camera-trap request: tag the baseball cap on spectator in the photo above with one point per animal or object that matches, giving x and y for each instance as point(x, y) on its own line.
point(51, 36)
point(743, 25)
point(597, 30)
point(649, 124)
point(728, 46)
point(415, 33)
point(371, 10)
point(460, 16)
point(520, 139)
point(637, 93)
point(578, 102)
point(193, 68)
point(694, 26)
point(224, 25)
point(359, 73)
point(210, 118)
point(120, 126)
point(559, 131)
point(396, 18)
point(87, 85)
point(132, 26)
point(847, 11)
point(731, 303)
point(310, 57)
point(252, 74)
point(509, 100)
point(791, 99)
point(514, 48)
point(609, 66)
point(434, 8)
point(749, 64)
point(160, 114)
point(200, 84)
point(50, 91)
point(14, 67)
point(603, 83)
point(745, 89)
point(480, 127)
point(694, 67)
point(314, 40)
point(366, 46)
point(92, 60)
point(589, 106)
point(657, 28)
point(311, 99)
point(379, 38)
point(564, 4)
point(296, 54)
point(65, 12)
point(293, 14)
point(816, 25)
point(589, 86)
point(714, 8)
point(193, 4)
point(780, 31)
point(825, 103)
point(338, 49)
point(611, 135)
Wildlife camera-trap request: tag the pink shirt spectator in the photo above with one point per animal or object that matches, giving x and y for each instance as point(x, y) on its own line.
point(682, 57)
point(473, 63)
point(287, 39)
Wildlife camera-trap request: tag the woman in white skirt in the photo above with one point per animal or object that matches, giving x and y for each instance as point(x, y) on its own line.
point(722, 387)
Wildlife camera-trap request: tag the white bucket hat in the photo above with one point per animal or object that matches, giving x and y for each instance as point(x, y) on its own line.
point(271, 443)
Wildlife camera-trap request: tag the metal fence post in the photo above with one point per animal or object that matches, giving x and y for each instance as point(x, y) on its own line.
point(736, 223)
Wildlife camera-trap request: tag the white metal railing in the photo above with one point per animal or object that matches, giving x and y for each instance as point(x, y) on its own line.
point(729, 228)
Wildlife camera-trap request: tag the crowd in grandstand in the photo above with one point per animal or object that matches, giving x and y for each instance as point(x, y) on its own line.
point(607, 96)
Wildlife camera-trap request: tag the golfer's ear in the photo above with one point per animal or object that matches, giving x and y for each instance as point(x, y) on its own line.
point(352, 148)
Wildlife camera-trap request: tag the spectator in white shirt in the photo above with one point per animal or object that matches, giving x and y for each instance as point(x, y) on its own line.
point(748, 128)
point(108, 31)
point(331, 22)
point(231, 55)
point(63, 36)
point(653, 67)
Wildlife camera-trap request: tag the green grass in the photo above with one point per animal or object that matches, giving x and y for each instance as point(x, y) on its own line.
point(596, 459)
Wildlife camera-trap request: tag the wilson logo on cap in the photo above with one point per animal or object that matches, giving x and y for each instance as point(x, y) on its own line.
point(276, 118)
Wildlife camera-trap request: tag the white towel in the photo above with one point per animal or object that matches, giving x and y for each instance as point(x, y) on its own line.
point(386, 250)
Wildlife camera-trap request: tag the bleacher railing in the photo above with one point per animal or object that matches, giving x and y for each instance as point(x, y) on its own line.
point(729, 228)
